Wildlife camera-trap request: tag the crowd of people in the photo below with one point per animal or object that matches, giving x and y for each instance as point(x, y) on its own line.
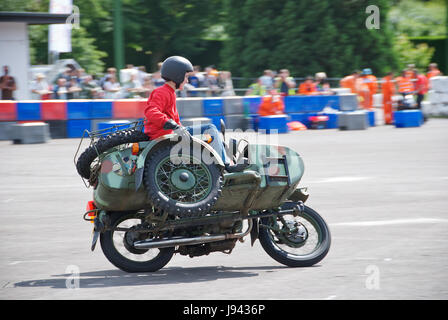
point(410, 82)
point(131, 82)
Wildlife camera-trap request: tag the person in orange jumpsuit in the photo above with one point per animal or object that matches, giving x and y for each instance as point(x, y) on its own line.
point(350, 81)
point(271, 104)
point(307, 87)
point(433, 71)
point(368, 88)
point(388, 89)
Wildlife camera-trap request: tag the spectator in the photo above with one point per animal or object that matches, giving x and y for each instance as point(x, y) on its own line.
point(126, 74)
point(307, 87)
point(112, 88)
point(350, 81)
point(90, 89)
point(157, 79)
point(285, 83)
point(433, 71)
point(267, 79)
point(147, 87)
point(211, 80)
point(110, 72)
point(142, 74)
point(7, 85)
point(199, 75)
point(225, 83)
point(256, 89)
point(60, 90)
point(271, 104)
point(193, 82)
point(133, 87)
point(73, 89)
point(40, 89)
point(322, 83)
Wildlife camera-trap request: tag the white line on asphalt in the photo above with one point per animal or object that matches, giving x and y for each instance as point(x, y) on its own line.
point(389, 222)
point(30, 261)
point(341, 179)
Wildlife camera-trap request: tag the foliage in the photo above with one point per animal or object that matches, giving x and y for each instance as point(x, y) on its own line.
point(305, 37)
point(407, 53)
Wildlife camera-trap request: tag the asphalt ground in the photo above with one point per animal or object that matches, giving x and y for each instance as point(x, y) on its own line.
point(383, 192)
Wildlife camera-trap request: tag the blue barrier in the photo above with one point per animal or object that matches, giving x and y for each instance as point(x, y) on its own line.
point(332, 122)
point(329, 101)
point(101, 109)
point(75, 128)
point(77, 110)
point(252, 104)
point(216, 120)
point(408, 118)
point(212, 106)
point(28, 111)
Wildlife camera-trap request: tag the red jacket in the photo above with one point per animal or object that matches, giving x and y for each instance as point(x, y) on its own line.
point(160, 108)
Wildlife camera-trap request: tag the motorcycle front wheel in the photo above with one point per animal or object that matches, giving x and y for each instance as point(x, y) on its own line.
point(117, 246)
point(296, 241)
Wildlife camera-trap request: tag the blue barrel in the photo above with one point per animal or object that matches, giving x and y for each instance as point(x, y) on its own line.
point(408, 118)
point(112, 126)
point(371, 118)
point(274, 124)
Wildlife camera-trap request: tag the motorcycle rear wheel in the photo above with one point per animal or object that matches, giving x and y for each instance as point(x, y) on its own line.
point(308, 245)
point(120, 252)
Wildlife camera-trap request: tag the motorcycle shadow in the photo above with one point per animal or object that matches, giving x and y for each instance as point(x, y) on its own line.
point(168, 275)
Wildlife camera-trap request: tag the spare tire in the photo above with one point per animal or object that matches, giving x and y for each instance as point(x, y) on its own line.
point(185, 189)
point(104, 144)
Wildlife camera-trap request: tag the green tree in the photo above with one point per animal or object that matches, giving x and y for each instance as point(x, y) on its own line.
point(306, 37)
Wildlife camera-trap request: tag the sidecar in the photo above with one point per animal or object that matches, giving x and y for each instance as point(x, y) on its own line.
point(175, 196)
point(122, 183)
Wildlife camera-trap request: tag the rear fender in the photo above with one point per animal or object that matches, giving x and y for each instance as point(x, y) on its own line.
point(168, 140)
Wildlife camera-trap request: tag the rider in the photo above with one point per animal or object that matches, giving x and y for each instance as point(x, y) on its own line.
point(161, 113)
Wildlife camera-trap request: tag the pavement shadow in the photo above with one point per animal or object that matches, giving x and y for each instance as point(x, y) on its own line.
point(168, 275)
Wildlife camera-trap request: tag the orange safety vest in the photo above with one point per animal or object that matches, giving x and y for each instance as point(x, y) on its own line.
point(433, 73)
point(307, 88)
point(271, 105)
point(405, 85)
point(348, 82)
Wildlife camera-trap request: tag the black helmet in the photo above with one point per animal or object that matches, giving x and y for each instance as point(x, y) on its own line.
point(174, 69)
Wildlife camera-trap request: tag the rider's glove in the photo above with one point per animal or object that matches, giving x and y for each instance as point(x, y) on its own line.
point(177, 129)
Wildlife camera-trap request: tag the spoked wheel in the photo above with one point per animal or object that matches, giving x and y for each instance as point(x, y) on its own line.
point(296, 241)
point(117, 246)
point(182, 184)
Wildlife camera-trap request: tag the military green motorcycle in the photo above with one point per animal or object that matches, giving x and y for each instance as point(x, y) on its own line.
point(155, 198)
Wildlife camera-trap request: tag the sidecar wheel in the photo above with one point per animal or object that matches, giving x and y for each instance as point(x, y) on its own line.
point(183, 186)
point(123, 255)
point(308, 244)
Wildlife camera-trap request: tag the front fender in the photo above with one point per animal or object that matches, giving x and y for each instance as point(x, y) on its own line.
point(166, 140)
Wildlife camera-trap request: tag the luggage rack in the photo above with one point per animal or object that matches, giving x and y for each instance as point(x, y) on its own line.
point(283, 178)
point(97, 134)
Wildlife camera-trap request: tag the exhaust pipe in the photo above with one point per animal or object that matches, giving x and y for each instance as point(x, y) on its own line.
point(183, 241)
